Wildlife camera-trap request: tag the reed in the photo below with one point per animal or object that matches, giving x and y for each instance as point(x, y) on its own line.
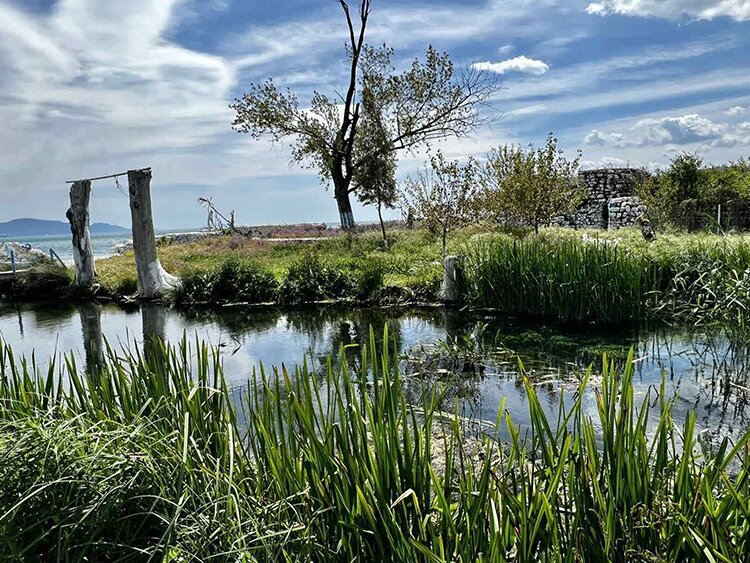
point(154, 458)
point(692, 281)
point(564, 279)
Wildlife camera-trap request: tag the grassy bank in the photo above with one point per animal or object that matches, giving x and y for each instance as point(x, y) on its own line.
point(356, 266)
point(148, 460)
point(574, 276)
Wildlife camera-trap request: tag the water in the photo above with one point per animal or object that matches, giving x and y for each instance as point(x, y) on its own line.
point(102, 244)
point(706, 372)
point(63, 245)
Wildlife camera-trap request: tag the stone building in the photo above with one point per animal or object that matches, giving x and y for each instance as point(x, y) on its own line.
point(610, 201)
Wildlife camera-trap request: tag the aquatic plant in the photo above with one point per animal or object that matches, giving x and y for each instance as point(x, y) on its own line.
point(152, 458)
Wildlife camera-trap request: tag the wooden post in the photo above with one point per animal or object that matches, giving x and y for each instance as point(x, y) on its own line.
point(78, 216)
point(452, 279)
point(153, 280)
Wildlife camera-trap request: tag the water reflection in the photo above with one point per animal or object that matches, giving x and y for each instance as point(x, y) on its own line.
point(90, 315)
point(478, 361)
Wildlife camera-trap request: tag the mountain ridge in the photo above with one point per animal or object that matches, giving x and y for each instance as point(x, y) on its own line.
point(44, 227)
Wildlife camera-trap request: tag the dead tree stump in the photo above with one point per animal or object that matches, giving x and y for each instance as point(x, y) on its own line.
point(78, 216)
point(153, 280)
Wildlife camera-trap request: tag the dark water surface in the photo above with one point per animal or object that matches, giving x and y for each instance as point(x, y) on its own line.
point(480, 364)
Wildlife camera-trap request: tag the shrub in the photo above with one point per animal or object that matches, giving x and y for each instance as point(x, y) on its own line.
point(44, 281)
point(232, 281)
point(370, 278)
point(310, 279)
point(688, 194)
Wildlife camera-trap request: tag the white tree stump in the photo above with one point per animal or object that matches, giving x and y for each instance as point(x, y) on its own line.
point(452, 279)
point(78, 216)
point(153, 280)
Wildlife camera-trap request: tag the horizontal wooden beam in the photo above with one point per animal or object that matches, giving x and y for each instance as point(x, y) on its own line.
point(105, 177)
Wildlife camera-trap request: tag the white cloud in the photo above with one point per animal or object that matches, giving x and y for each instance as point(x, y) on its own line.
point(681, 131)
point(736, 110)
point(598, 138)
point(520, 64)
point(671, 9)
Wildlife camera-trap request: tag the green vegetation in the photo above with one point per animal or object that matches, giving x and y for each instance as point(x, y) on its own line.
point(351, 138)
point(147, 459)
point(443, 196)
point(618, 278)
point(611, 277)
point(687, 195)
point(532, 185)
point(232, 280)
point(411, 265)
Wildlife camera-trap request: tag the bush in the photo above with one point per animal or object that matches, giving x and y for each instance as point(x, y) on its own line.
point(370, 278)
point(44, 281)
point(232, 281)
point(310, 279)
point(687, 194)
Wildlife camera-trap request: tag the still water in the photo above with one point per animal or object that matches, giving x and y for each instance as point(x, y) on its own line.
point(706, 372)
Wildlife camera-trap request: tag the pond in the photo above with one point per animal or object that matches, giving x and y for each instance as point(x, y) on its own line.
point(479, 363)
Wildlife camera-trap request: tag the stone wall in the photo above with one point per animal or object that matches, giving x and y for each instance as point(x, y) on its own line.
point(602, 187)
point(624, 211)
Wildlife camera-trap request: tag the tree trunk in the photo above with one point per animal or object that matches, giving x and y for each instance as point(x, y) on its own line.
point(78, 216)
point(382, 226)
point(341, 193)
point(445, 242)
point(153, 280)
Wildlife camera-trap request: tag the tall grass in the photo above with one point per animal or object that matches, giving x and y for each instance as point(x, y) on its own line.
point(689, 281)
point(565, 279)
point(149, 459)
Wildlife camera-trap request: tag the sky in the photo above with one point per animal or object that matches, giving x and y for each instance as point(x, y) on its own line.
point(93, 87)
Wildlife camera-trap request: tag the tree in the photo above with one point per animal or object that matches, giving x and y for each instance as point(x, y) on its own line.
point(533, 185)
point(428, 101)
point(443, 195)
point(375, 177)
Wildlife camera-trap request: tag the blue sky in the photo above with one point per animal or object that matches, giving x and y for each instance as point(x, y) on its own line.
point(91, 87)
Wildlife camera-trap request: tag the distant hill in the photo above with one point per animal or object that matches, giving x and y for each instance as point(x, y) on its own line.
point(40, 227)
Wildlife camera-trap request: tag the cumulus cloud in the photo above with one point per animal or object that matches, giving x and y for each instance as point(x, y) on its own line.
point(601, 139)
point(736, 110)
point(670, 9)
point(682, 130)
point(520, 64)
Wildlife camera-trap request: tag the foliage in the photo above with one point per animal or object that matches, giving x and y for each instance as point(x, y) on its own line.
point(370, 278)
point(615, 278)
point(311, 279)
point(149, 461)
point(533, 185)
point(375, 177)
point(44, 281)
point(443, 196)
point(688, 194)
point(233, 281)
point(383, 112)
